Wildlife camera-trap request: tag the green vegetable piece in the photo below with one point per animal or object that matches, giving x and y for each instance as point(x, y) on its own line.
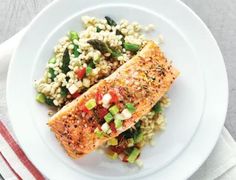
point(75, 51)
point(73, 35)
point(118, 32)
point(130, 107)
point(98, 133)
point(131, 47)
point(114, 110)
point(133, 155)
point(49, 102)
point(112, 155)
point(110, 21)
point(52, 73)
point(112, 142)
point(98, 29)
point(115, 53)
point(157, 108)
point(91, 64)
point(118, 123)
point(52, 60)
point(130, 142)
point(99, 45)
point(88, 70)
point(90, 104)
point(40, 98)
point(65, 62)
point(108, 117)
point(139, 138)
point(64, 91)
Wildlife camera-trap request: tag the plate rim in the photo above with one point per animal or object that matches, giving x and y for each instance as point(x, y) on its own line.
point(187, 8)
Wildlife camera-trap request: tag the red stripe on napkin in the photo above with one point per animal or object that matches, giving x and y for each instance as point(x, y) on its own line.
point(8, 164)
point(19, 152)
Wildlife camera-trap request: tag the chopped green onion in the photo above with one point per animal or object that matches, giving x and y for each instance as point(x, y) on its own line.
point(64, 91)
point(108, 117)
point(52, 60)
point(90, 104)
point(131, 47)
point(40, 98)
point(157, 108)
point(133, 155)
point(112, 142)
point(139, 138)
point(118, 123)
point(88, 70)
point(75, 51)
point(98, 133)
point(73, 35)
point(130, 107)
point(114, 110)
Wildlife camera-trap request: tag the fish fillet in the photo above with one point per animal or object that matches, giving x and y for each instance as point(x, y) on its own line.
point(143, 81)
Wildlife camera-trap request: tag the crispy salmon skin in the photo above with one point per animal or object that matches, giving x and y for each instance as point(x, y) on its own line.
point(143, 80)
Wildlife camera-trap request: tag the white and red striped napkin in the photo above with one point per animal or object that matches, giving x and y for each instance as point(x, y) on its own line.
point(14, 164)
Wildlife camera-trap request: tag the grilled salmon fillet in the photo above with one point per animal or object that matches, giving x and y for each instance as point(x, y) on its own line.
point(142, 81)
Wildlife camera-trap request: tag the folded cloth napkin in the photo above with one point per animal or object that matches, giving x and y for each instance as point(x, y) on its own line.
point(14, 164)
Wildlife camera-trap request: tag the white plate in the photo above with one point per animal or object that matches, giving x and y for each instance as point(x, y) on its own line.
point(199, 95)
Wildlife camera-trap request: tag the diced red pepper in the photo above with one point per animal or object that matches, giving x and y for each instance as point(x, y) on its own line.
point(98, 97)
point(114, 97)
point(113, 127)
point(75, 95)
point(80, 73)
point(102, 112)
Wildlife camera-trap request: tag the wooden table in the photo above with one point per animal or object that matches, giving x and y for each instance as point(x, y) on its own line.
point(219, 15)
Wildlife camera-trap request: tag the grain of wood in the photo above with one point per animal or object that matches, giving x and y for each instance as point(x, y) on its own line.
point(219, 15)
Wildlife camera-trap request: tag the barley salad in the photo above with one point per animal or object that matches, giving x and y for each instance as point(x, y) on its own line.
point(81, 59)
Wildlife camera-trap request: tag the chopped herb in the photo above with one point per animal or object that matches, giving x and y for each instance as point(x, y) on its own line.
point(98, 29)
point(88, 70)
point(49, 102)
point(65, 62)
point(110, 21)
point(157, 108)
point(64, 91)
point(52, 73)
point(75, 51)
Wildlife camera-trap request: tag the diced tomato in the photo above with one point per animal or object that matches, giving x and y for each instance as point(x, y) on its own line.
point(125, 159)
point(112, 126)
point(75, 95)
point(98, 97)
point(102, 112)
point(84, 109)
point(80, 73)
point(114, 97)
point(117, 149)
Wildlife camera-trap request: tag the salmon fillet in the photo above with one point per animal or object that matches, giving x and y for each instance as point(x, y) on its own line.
point(141, 81)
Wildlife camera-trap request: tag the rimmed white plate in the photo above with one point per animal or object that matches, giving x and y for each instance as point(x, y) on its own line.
point(199, 96)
